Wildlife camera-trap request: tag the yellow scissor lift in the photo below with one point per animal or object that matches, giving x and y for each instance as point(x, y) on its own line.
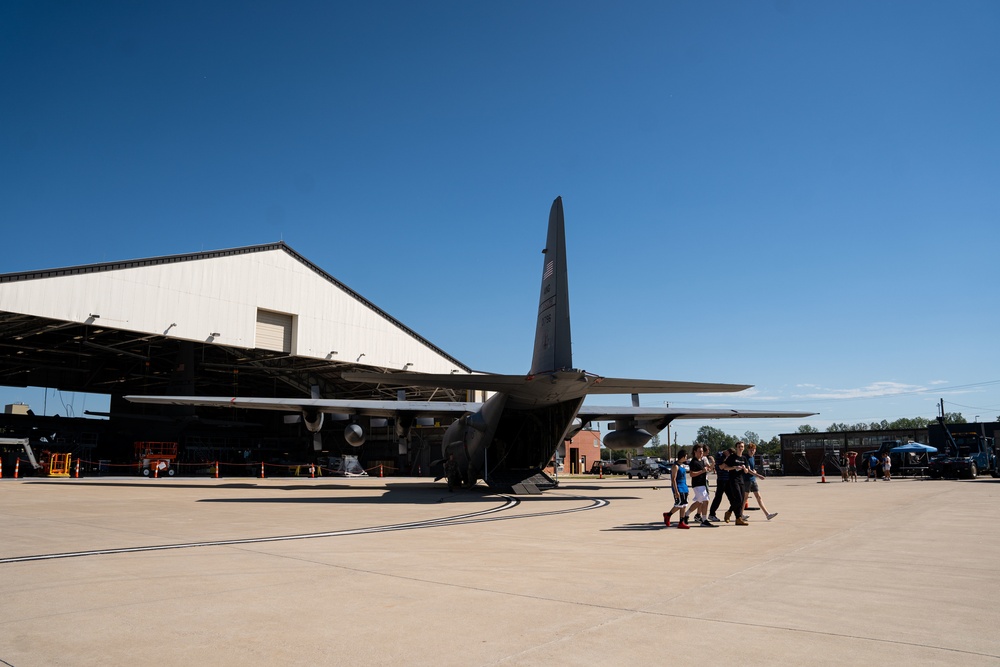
point(56, 464)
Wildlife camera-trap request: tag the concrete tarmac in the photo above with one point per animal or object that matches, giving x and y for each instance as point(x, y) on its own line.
point(188, 571)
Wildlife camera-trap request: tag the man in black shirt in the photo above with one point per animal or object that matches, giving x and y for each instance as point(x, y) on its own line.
point(736, 465)
point(721, 483)
point(699, 485)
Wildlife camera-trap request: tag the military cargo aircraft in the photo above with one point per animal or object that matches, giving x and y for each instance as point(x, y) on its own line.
point(508, 439)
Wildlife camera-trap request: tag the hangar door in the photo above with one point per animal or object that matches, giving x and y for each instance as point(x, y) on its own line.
point(274, 331)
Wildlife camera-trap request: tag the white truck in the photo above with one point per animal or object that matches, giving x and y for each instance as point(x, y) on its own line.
point(643, 467)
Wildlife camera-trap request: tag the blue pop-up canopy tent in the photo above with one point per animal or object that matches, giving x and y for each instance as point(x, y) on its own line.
point(914, 456)
point(914, 448)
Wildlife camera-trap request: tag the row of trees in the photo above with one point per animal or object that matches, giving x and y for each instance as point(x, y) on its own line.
point(885, 425)
point(717, 439)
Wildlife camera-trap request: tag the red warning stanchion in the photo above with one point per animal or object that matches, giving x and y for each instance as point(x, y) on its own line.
point(262, 470)
point(17, 468)
point(156, 469)
point(76, 473)
point(216, 470)
point(1, 468)
point(822, 474)
point(379, 469)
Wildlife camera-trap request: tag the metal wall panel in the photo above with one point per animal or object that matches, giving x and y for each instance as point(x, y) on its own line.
point(217, 300)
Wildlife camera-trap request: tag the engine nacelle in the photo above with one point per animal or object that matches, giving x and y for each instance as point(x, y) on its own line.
point(354, 435)
point(313, 420)
point(629, 438)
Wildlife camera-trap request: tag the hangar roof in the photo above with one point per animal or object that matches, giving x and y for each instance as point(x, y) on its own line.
point(118, 327)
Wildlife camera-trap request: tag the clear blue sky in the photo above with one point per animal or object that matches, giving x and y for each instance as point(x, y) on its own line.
point(798, 195)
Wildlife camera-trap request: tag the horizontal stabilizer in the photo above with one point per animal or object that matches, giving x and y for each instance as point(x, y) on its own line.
point(627, 386)
point(612, 413)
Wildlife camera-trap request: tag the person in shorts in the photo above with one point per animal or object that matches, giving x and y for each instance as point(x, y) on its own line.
point(852, 466)
point(699, 468)
point(752, 477)
point(678, 484)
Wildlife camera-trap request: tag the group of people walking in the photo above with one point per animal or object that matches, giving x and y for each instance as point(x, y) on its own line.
point(736, 479)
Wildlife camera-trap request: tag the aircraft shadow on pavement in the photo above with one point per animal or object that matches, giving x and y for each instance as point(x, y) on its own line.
point(171, 484)
point(400, 494)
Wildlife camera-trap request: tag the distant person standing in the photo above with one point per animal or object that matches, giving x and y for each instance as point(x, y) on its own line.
point(887, 468)
point(852, 466)
point(451, 473)
point(678, 484)
point(872, 468)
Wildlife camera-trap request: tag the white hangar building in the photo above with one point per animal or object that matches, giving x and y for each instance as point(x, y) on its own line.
point(253, 321)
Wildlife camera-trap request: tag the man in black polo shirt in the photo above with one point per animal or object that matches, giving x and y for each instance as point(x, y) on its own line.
point(721, 482)
point(736, 465)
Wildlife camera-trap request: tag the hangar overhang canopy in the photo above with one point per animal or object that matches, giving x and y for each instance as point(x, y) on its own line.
point(259, 320)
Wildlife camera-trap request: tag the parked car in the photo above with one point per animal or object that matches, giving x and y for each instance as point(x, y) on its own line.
point(620, 466)
point(600, 467)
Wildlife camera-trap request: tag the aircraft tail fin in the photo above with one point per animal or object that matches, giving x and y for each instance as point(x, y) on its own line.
point(553, 344)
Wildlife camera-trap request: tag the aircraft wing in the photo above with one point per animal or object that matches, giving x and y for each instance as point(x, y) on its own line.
point(478, 382)
point(374, 408)
point(613, 413)
point(497, 382)
point(628, 386)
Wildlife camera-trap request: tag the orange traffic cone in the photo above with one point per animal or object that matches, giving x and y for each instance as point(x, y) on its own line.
point(379, 469)
point(312, 472)
point(17, 468)
point(216, 470)
point(822, 474)
point(77, 471)
point(1, 468)
point(262, 470)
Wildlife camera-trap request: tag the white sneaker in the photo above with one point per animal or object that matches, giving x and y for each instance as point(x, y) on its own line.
point(771, 515)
